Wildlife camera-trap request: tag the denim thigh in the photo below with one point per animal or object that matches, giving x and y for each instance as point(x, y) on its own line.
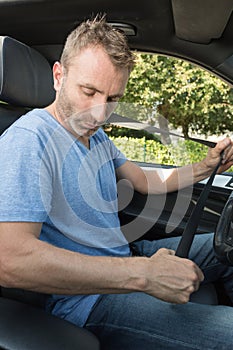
point(138, 321)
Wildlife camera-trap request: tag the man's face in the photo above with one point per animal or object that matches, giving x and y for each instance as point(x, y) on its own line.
point(88, 91)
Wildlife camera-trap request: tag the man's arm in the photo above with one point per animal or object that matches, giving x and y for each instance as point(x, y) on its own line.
point(28, 263)
point(157, 181)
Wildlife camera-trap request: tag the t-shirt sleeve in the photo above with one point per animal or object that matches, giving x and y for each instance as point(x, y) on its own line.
point(118, 157)
point(24, 175)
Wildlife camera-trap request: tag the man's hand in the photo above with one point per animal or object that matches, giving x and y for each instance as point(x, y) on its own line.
point(213, 155)
point(172, 279)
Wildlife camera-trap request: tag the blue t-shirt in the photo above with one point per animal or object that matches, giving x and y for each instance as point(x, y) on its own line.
point(48, 176)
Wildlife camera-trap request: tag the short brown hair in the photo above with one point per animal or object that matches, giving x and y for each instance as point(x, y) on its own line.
point(97, 32)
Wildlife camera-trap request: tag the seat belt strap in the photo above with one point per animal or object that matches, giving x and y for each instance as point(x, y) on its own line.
point(191, 226)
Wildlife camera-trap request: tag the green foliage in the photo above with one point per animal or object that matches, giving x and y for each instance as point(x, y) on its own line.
point(187, 96)
point(116, 131)
point(150, 151)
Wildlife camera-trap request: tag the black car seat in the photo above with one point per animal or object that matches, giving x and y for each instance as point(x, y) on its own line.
point(25, 83)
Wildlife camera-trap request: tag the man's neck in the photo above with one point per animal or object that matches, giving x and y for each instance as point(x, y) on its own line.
point(83, 139)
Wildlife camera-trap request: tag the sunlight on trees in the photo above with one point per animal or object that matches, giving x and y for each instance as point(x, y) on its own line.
point(189, 97)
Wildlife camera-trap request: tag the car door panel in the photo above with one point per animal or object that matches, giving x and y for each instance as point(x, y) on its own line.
point(160, 216)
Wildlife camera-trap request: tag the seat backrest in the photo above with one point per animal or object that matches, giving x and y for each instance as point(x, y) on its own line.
point(25, 82)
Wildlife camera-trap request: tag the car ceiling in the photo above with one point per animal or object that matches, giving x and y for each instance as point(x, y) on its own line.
point(200, 31)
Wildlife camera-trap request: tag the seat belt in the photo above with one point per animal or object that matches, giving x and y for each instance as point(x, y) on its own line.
point(191, 226)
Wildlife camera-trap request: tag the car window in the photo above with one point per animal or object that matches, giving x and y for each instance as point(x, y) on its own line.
point(172, 95)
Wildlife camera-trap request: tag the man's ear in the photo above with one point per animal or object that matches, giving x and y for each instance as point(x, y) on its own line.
point(57, 75)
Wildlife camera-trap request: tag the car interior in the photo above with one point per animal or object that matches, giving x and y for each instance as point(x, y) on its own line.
point(32, 34)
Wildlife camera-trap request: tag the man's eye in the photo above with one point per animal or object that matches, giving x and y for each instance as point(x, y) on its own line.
point(88, 92)
point(113, 99)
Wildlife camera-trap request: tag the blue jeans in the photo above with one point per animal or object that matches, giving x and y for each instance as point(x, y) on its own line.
point(137, 321)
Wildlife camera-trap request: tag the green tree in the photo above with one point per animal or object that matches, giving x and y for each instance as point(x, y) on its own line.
point(186, 95)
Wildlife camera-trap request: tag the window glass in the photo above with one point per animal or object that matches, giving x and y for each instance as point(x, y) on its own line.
point(169, 94)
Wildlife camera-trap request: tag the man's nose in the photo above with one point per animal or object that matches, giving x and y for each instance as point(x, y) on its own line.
point(100, 113)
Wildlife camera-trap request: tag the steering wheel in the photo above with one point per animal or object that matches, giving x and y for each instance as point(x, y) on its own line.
point(223, 237)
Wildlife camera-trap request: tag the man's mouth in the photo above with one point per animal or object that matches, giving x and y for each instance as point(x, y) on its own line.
point(90, 126)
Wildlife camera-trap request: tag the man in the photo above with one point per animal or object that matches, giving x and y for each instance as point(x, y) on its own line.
point(60, 233)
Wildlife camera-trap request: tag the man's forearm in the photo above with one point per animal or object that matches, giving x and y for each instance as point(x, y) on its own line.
point(48, 269)
point(42, 267)
point(175, 178)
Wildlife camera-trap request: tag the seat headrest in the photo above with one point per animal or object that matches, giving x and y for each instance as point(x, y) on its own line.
point(25, 75)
